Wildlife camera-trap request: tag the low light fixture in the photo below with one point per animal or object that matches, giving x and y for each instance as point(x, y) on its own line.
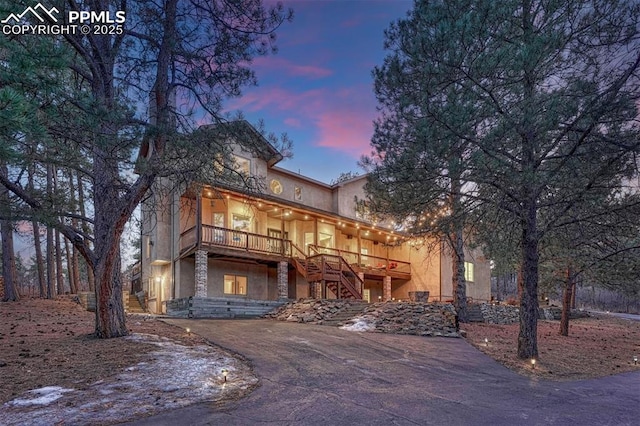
point(379, 298)
point(635, 360)
point(533, 363)
point(188, 330)
point(486, 342)
point(225, 373)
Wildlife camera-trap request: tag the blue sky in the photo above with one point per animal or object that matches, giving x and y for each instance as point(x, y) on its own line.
point(318, 88)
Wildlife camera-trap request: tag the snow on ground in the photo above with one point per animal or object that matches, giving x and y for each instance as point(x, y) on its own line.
point(360, 324)
point(42, 396)
point(175, 376)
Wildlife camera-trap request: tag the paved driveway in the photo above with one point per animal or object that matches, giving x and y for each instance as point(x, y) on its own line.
point(317, 375)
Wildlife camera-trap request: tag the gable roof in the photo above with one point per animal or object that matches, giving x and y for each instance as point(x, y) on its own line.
point(247, 136)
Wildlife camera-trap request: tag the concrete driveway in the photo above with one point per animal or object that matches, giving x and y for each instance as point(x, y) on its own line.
point(317, 375)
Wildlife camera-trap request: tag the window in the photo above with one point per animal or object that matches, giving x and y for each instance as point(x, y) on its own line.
point(235, 284)
point(242, 165)
point(468, 272)
point(241, 223)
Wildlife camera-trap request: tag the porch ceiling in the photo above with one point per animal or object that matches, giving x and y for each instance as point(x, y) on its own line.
point(289, 213)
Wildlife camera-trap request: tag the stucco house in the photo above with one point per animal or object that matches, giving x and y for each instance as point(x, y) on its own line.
point(297, 238)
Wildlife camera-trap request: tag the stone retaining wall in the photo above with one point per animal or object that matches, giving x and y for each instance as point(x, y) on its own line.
point(499, 314)
point(509, 314)
point(313, 311)
point(422, 319)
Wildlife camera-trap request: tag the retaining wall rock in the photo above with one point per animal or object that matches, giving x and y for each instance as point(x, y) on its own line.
point(509, 314)
point(499, 314)
point(422, 319)
point(313, 311)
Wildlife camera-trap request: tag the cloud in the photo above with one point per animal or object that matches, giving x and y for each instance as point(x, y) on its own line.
point(293, 122)
point(340, 120)
point(287, 67)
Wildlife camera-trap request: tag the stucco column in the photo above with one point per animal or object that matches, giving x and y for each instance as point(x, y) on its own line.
point(201, 273)
point(283, 280)
point(386, 289)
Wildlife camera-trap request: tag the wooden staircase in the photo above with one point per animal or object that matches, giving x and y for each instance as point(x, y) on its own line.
point(331, 271)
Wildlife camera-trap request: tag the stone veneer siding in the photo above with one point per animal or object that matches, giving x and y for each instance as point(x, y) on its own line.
point(283, 280)
point(201, 273)
point(386, 289)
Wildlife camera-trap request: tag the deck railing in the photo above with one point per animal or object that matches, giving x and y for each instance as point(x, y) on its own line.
point(364, 261)
point(224, 237)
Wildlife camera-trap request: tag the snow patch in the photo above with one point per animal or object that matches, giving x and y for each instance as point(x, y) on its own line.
point(359, 324)
point(42, 396)
point(177, 376)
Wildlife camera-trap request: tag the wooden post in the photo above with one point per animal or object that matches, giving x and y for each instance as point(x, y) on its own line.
point(199, 220)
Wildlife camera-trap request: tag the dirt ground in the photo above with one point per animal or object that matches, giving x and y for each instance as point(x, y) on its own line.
point(596, 347)
point(50, 343)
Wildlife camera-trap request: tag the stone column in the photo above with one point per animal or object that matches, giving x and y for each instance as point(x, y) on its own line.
point(386, 289)
point(201, 273)
point(283, 280)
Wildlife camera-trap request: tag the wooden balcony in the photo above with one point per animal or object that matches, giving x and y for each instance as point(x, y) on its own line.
point(372, 266)
point(212, 237)
point(240, 243)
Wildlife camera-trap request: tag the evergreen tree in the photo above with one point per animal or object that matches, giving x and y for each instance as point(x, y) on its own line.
point(552, 91)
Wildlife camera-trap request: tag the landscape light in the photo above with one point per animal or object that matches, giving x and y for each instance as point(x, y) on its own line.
point(635, 360)
point(486, 341)
point(225, 372)
point(188, 331)
point(533, 363)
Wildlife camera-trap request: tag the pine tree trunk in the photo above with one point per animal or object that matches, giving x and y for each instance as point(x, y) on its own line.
point(37, 241)
point(42, 284)
point(85, 229)
point(567, 295)
point(459, 284)
point(457, 244)
point(50, 249)
point(59, 276)
point(8, 256)
point(528, 337)
point(110, 318)
point(73, 289)
point(74, 264)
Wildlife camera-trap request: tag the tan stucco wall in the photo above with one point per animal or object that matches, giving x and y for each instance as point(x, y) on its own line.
point(257, 278)
point(480, 288)
point(312, 194)
point(344, 197)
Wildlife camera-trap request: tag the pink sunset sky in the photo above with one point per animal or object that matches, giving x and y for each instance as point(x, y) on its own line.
point(318, 88)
